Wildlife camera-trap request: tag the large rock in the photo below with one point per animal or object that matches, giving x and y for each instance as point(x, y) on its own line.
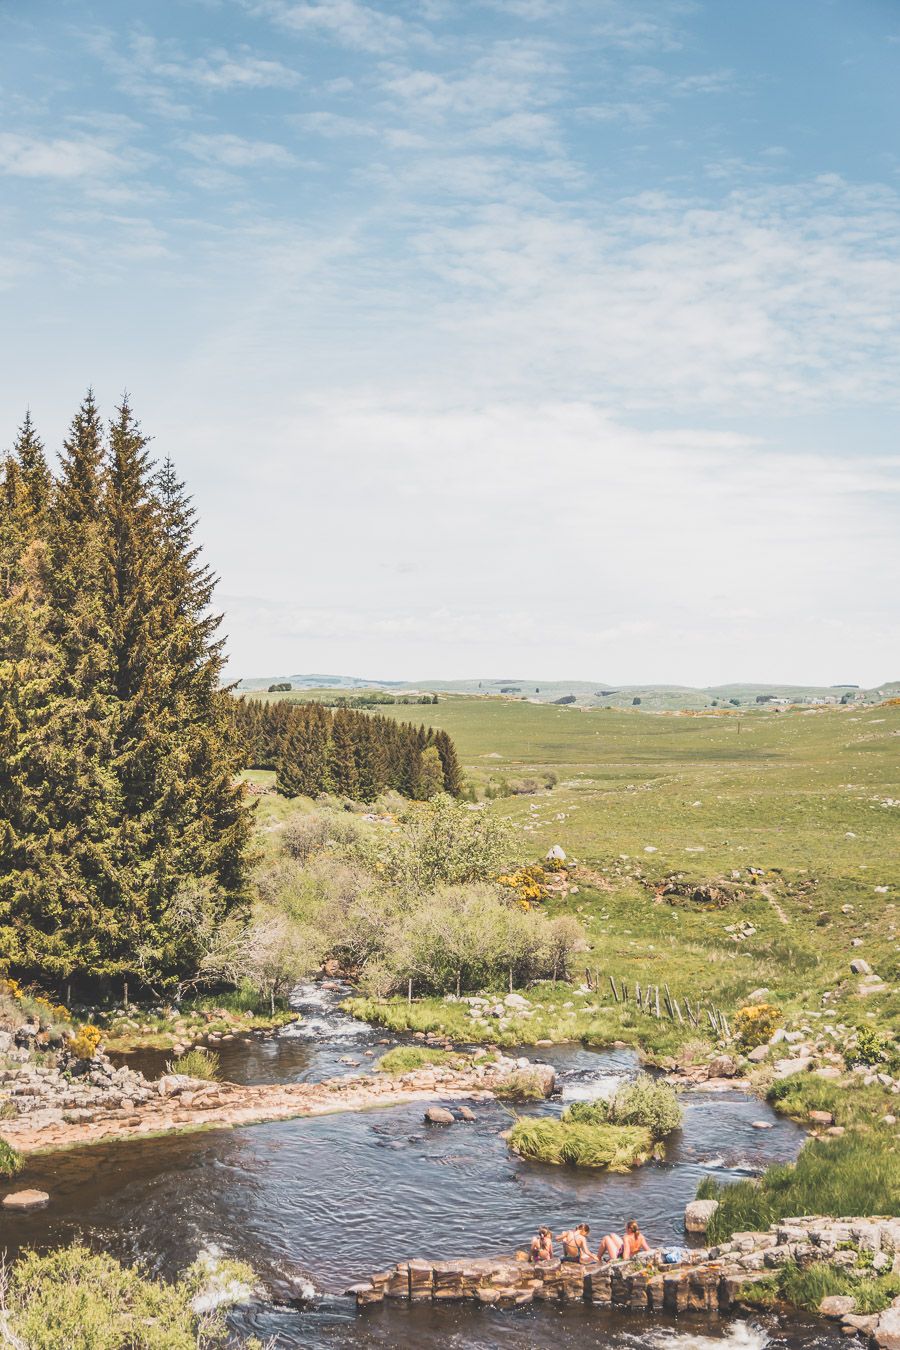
point(516, 1001)
point(26, 1200)
point(723, 1066)
point(556, 854)
point(837, 1306)
point(887, 1333)
point(698, 1214)
point(860, 967)
point(439, 1115)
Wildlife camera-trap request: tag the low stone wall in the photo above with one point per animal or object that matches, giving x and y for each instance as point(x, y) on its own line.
point(708, 1280)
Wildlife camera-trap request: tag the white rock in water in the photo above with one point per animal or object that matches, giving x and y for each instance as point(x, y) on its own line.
point(698, 1213)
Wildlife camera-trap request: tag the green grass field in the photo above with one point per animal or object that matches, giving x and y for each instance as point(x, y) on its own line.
point(802, 796)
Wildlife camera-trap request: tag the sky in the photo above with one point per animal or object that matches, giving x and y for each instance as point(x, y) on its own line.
point(494, 338)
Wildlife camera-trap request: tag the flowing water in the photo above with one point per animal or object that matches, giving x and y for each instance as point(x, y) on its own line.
point(314, 1205)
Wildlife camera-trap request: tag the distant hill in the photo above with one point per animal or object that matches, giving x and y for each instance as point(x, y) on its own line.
point(597, 694)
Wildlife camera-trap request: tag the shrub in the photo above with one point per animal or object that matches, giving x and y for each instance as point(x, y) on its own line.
point(646, 1101)
point(807, 1288)
point(614, 1147)
point(755, 1024)
point(871, 1047)
point(408, 1058)
point(304, 836)
point(196, 1063)
point(440, 842)
point(857, 1173)
point(85, 1300)
point(84, 1044)
point(10, 1160)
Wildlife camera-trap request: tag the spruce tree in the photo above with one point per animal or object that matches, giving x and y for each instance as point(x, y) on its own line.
point(119, 750)
point(453, 778)
point(302, 762)
point(342, 772)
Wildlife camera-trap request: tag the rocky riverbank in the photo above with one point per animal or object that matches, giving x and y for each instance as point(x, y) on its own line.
point(57, 1108)
point(708, 1280)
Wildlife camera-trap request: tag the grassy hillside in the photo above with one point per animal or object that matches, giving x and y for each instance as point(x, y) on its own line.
point(802, 796)
point(594, 694)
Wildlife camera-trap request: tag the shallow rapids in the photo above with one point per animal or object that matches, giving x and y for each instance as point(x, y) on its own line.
point(313, 1205)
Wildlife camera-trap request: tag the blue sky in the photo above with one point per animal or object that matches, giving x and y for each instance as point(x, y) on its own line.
point(494, 337)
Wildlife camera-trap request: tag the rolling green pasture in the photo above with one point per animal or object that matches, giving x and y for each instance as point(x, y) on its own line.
point(803, 796)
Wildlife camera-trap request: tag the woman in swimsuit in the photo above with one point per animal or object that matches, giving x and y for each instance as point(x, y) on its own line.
point(542, 1245)
point(624, 1248)
point(575, 1244)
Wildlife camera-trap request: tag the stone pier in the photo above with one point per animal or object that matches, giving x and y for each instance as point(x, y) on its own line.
point(708, 1280)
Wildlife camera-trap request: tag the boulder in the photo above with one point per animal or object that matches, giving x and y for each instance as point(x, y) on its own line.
point(821, 1117)
point(860, 967)
point(556, 854)
point(439, 1115)
point(837, 1306)
point(758, 1054)
point(516, 1001)
point(171, 1084)
point(26, 1200)
point(723, 1066)
point(886, 1335)
point(465, 1113)
point(698, 1213)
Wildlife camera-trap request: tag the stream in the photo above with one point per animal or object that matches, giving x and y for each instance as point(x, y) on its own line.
point(314, 1205)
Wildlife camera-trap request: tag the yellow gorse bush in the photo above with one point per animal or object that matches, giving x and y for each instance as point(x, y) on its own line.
point(755, 1023)
point(84, 1045)
point(526, 882)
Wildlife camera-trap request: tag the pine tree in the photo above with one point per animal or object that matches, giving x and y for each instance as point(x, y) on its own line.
point(35, 478)
point(342, 773)
point(302, 764)
point(117, 786)
point(431, 774)
point(453, 779)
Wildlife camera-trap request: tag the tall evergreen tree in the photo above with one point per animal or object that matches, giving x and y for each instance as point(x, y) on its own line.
point(453, 778)
point(342, 772)
point(118, 780)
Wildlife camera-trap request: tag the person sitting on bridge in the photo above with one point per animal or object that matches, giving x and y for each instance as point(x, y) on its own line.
point(575, 1244)
point(624, 1248)
point(542, 1245)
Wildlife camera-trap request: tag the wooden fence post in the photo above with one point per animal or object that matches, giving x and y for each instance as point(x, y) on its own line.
point(615, 991)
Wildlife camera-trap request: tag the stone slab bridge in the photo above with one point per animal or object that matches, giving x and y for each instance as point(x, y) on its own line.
point(709, 1280)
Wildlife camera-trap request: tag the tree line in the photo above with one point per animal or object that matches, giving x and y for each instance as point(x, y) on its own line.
point(121, 818)
point(350, 753)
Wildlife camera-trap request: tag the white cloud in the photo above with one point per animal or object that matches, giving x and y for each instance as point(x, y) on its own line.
point(235, 152)
point(348, 22)
point(333, 126)
point(639, 550)
point(26, 156)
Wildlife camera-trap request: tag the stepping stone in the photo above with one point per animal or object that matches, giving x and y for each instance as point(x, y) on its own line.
point(26, 1200)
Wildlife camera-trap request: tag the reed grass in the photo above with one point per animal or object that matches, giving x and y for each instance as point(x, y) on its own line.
point(617, 1148)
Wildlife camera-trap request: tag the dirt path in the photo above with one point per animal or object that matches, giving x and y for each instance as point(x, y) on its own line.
point(776, 906)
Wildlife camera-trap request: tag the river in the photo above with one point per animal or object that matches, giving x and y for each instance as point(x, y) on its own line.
point(314, 1205)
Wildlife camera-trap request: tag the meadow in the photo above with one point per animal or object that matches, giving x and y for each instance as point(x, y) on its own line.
point(804, 799)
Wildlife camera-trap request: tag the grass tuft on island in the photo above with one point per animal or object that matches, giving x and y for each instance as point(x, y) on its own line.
point(854, 1174)
point(617, 1148)
point(10, 1160)
point(203, 1064)
point(408, 1058)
